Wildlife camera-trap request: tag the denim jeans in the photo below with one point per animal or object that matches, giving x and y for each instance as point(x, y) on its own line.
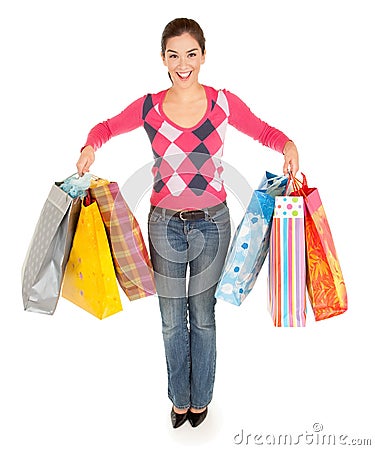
point(188, 257)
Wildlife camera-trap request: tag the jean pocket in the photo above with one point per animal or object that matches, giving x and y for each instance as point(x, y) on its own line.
point(221, 216)
point(154, 217)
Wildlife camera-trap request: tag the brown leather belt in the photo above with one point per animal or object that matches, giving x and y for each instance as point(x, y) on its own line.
point(194, 214)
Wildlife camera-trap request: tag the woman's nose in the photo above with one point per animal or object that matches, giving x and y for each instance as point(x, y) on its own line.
point(183, 61)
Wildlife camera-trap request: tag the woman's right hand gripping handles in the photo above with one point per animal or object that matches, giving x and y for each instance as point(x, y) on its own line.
point(85, 160)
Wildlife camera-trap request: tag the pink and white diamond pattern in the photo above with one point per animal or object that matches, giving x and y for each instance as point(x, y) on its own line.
point(187, 161)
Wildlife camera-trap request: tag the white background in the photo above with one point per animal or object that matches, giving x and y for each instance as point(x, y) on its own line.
point(71, 381)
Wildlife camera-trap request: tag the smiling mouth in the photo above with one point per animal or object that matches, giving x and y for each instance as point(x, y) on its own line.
point(183, 75)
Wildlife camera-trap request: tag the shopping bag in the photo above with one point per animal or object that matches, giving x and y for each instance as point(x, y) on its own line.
point(130, 255)
point(250, 242)
point(287, 265)
point(90, 280)
point(325, 282)
point(48, 252)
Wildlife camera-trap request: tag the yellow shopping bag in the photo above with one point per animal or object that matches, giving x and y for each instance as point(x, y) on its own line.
point(90, 279)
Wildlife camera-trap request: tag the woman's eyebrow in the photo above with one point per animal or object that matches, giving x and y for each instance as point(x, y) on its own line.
point(188, 51)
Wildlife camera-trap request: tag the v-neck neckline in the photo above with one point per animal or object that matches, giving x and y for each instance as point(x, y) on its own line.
point(176, 125)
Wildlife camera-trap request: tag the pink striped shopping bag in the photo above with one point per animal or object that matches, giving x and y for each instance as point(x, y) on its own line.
point(287, 265)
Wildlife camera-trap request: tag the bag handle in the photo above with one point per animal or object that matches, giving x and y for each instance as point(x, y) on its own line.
point(298, 185)
point(76, 175)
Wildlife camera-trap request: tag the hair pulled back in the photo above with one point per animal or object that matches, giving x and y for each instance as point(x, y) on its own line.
point(179, 26)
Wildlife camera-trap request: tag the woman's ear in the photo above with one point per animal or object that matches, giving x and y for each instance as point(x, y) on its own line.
point(203, 57)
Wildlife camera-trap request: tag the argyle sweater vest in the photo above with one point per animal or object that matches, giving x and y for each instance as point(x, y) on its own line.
point(187, 161)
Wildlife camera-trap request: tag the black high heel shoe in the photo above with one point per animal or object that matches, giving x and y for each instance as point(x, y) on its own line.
point(178, 419)
point(196, 419)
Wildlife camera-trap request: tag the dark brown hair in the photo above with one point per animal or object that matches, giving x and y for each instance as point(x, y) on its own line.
point(177, 27)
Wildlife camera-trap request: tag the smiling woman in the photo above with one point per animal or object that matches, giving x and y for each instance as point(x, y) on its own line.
point(182, 58)
point(185, 103)
point(189, 222)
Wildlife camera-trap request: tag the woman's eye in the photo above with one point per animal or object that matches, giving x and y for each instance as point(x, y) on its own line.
point(172, 56)
point(192, 55)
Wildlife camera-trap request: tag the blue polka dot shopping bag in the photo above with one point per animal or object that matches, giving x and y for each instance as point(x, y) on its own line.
point(250, 243)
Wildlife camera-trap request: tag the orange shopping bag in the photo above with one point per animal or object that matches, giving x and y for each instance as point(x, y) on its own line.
point(325, 282)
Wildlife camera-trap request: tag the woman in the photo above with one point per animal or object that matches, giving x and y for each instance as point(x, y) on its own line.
point(189, 223)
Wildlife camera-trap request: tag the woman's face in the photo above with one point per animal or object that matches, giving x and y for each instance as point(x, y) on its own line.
point(183, 58)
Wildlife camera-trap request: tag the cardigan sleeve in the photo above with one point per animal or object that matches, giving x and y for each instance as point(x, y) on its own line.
point(129, 119)
point(244, 120)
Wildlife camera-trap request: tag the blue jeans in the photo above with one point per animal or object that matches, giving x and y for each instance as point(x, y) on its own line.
point(186, 299)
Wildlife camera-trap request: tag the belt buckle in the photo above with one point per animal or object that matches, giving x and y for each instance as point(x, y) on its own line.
point(180, 215)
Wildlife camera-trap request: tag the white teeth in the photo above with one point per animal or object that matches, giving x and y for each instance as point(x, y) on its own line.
point(183, 74)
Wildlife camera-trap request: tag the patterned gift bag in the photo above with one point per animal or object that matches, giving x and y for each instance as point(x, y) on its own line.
point(250, 243)
point(287, 266)
point(131, 259)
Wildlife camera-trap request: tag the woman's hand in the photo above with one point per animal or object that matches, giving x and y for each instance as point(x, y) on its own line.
point(291, 158)
point(85, 160)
